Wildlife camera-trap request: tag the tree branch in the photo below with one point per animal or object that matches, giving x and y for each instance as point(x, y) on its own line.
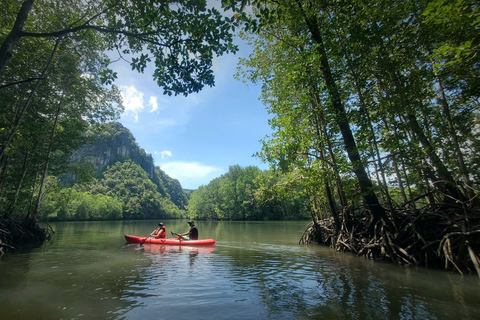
point(19, 82)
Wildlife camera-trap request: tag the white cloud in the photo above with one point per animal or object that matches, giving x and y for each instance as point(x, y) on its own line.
point(166, 153)
point(191, 174)
point(153, 102)
point(132, 99)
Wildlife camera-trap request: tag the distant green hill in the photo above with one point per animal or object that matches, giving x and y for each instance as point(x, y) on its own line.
point(112, 167)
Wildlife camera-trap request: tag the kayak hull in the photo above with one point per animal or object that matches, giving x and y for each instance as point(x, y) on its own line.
point(170, 241)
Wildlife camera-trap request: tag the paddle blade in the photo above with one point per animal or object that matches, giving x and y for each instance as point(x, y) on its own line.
point(174, 234)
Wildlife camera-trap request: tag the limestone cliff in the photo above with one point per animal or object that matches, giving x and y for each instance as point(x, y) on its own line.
point(112, 142)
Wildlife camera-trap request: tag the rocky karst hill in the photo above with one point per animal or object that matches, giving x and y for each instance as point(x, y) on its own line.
point(111, 143)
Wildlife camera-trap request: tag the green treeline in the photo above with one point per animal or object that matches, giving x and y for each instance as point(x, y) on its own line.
point(107, 179)
point(104, 184)
point(123, 192)
point(236, 196)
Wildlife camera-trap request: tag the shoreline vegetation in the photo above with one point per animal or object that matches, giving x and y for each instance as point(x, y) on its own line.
point(437, 237)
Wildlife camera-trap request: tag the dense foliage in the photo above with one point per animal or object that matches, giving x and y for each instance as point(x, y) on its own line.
point(74, 204)
point(55, 80)
point(232, 197)
point(112, 168)
point(370, 97)
point(112, 142)
point(173, 189)
point(124, 191)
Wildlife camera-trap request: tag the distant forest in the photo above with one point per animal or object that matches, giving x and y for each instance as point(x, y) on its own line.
point(104, 184)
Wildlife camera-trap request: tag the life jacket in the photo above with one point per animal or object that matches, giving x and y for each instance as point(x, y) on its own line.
point(163, 235)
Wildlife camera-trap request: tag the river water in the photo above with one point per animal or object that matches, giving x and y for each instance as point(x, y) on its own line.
point(256, 270)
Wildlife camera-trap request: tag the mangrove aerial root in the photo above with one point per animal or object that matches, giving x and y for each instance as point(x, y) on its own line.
point(14, 232)
point(443, 236)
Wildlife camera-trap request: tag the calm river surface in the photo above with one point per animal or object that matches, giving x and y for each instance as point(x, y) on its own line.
point(256, 270)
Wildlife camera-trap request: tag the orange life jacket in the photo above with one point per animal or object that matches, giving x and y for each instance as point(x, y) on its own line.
point(163, 235)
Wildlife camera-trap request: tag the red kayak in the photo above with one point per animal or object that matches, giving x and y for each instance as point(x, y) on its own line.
point(200, 242)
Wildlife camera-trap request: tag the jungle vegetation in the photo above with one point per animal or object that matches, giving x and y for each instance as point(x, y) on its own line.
point(112, 178)
point(375, 111)
point(234, 196)
point(55, 81)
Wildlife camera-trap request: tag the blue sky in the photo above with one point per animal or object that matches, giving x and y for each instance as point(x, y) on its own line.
point(195, 139)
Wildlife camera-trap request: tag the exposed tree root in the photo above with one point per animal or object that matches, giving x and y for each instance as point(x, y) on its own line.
point(434, 237)
point(14, 233)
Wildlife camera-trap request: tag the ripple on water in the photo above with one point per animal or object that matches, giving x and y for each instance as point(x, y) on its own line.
point(232, 280)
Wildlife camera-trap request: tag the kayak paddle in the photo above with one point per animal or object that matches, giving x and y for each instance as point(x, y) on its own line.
point(181, 237)
point(143, 241)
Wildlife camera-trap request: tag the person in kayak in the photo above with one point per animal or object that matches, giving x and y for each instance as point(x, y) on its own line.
point(190, 235)
point(159, 233)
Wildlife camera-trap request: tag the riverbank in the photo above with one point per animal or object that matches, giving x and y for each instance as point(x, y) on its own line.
point(435, 237)
point(19, 232)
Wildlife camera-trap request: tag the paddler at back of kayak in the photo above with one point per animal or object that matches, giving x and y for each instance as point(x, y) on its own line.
point(190, 235)
point(159, 233)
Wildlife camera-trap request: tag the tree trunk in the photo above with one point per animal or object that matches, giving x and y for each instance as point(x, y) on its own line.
point(407, 181)
point(331, 201)
point(21, 113)
point(364, 110)
point(338, 179)
point(448, 117)
point(33, 214)
point(25, 166)
point(365, 184)
point(394, 163)
point(321, 131)
point(443, 180)
point(6, 50)
point(446, 180)
point(454, 137)
point(333, 208)
point(4, 174)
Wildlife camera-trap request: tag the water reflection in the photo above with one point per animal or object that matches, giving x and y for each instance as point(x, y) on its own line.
point(372, 290)
point(345, 287)
point(66, 286)
point(255, 275)
point(161, 254)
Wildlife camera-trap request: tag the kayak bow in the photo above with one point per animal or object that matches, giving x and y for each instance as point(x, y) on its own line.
point(200, 242)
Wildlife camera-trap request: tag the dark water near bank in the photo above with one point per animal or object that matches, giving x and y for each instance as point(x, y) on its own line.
point(256, 270)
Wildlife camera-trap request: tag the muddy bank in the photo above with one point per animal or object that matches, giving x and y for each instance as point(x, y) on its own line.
point(443, 236)
point(20, 232)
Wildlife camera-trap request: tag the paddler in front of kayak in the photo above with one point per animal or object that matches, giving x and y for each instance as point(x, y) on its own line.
point(159, 233)
point(190, 235)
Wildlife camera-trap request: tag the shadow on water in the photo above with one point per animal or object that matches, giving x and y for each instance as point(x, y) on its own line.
point(323, 284)
point(377, 290)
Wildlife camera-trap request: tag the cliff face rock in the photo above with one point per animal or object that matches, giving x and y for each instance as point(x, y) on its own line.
point(112, 142)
